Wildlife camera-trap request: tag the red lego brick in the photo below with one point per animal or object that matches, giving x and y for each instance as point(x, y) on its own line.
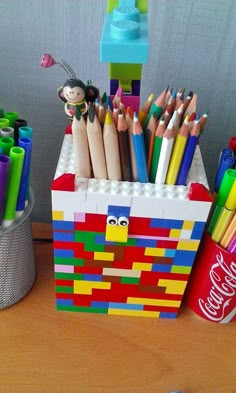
point(64, 283)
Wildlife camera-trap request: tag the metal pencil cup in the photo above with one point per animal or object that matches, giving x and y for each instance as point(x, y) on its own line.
point(17, 265)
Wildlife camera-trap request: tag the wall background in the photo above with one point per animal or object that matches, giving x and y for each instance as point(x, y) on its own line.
point(192, 45)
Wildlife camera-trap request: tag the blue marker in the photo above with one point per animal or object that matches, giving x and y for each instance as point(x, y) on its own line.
point(26, 144)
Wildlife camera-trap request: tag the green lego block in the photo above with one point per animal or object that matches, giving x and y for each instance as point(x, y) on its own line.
point(142, 5)
point(125, 71)
point(126, 86)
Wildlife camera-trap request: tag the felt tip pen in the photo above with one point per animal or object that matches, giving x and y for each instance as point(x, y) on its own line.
point(4, 171)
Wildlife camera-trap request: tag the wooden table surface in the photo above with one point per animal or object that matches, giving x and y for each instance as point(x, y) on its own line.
point(46, 351)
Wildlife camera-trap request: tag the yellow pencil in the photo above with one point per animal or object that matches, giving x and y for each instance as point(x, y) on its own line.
point(177, 154)
point(225, 215)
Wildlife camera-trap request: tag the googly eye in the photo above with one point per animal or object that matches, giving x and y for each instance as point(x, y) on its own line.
point(123, 221)
point(112, 220)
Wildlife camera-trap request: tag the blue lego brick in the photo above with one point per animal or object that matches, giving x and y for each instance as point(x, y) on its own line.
point(63, 225)
point(170, 253)
point(118, 211)
point(64, 236)
point(123, 50)
point(198, 230)
point(63, 253)
point(165, 223)
point(161, 268)
point(171, 315)
point(125, 306)
point(98, 304)
point(114, 84)
point(100, 239)
point(146, 242)
point(92, 277)
point(64, 302)
point(184, 258)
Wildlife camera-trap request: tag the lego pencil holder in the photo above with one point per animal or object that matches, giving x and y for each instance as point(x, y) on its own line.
point(125, 248)
point(17, 265)
point(211, 291)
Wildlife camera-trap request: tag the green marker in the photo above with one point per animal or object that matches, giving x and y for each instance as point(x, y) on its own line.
point(11, 116)
point(224, 190)
point(17, 155)
point(1, 111)
point(6, 143)
point(4, 122)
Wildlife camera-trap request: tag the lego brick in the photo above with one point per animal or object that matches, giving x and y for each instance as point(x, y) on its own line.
point(125, 71)
point(133, 88)
point(131, 100)
point(140, 4)
point(124, 41)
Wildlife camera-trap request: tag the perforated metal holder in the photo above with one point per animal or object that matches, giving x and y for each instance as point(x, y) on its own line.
point(17, 264)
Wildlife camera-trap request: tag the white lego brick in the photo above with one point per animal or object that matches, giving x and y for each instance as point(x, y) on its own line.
point(66, 158)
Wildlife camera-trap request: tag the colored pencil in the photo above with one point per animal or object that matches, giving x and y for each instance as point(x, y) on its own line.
point(139, 149)
point(80, 146)
point(101, 114)
point(192, 106)
point(117, 97)
point(149, 135)
point(129, 121)
point(177, 153)
point(111, 146)
point(165, 154)
point(156, 150)
point(96, 147)
point(144, 111)
point(188, 153)
point(115, 113)
point(123, 138)
point(157, 107)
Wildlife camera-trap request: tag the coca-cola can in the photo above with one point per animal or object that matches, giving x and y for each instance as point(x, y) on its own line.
point(211, 290)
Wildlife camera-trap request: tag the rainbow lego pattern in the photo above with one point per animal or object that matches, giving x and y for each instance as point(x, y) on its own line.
point(145, 276)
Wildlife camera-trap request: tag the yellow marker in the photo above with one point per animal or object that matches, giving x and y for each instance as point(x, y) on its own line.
point(225, 215)
point(178, 151)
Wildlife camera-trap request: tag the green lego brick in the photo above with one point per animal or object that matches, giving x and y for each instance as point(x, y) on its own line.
point(69, 261)
point(181, 269)
point(124, 71)
point(129, 280)
point(130, 242)
point(69, 276)
point(126, 86)
point(82, 309)
point(60, 289)
point(142, 5)
point(88, 238)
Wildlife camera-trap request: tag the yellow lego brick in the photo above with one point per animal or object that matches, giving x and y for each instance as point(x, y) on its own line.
point(58, 215)
point(142, 266)
point(155, 252)
point(181, 269)
point(153, 302)
point(134, 313)
point(173, 286)
point(188, 225)
point(121, 272)
point(175, 233)
point(86, 287)
point(188, 245)
point(103, 256)
point(116, 233)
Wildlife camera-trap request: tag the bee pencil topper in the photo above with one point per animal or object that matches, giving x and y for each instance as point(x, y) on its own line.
point(74, 93)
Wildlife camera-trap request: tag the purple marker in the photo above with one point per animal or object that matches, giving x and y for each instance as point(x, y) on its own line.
point(4, 170)
point(232, 246)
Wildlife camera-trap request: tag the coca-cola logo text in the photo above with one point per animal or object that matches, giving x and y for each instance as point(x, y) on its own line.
point(222, 291)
